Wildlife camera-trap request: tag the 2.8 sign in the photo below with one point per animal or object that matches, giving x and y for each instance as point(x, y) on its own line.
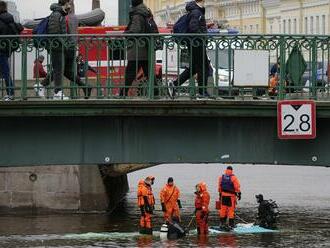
point(296, 119)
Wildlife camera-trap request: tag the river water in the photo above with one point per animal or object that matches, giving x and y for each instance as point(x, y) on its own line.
point(303, 194)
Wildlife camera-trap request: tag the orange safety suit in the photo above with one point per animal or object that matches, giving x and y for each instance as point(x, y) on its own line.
point(169, 196)
point(229, 188)
point(202, 201)
point(146, 202)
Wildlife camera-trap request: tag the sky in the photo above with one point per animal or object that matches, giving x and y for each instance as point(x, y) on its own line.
point(30, 9)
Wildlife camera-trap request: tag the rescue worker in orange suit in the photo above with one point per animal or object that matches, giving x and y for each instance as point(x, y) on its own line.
point(146, 202)
point(169, 199)
point(229, 192)
point(202, 201)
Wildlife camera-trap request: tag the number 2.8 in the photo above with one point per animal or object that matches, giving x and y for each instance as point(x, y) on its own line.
point(304, 125)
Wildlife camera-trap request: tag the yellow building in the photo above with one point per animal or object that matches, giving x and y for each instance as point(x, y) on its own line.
point(255, 16)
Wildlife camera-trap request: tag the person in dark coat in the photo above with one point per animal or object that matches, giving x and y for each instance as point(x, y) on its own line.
point(62, 51)
point(200, 63)
point(7, 46)
point(137, 51)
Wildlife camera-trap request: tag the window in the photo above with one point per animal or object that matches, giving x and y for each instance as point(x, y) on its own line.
point(271, 29)
point(257, 28)
point(284, 26)
point(306, 25)
point(323, 24)
point(251, 29)
point(295, 26)
point(312, 25)
point(317, 30)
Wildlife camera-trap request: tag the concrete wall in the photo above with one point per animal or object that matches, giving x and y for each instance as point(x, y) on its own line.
point(68, 188)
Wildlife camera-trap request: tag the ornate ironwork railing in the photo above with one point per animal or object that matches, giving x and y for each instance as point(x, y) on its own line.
point(121, 66)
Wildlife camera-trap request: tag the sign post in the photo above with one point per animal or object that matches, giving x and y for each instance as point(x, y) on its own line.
point(296, 119)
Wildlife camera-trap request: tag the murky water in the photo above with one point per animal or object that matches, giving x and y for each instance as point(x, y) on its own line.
point(303, 194)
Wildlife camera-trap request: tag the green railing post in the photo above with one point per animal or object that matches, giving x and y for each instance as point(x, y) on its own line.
point(24, 69)
point(151, 56)
point(281, 94)
point(314, 69)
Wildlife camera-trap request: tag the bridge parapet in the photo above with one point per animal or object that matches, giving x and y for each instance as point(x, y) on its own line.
point(239, 67)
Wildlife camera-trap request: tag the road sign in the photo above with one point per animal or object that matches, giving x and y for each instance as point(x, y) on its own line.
point(296, 119)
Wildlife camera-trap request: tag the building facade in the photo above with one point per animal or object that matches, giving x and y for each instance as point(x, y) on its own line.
point(12, 9)
point(255, 16)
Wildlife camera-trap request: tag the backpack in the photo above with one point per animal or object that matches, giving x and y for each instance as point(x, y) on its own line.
point(152, 28)
point(182, 25)
point(41, 29)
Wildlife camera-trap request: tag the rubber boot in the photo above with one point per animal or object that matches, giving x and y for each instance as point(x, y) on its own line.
point(223, 224)
point(142, 230)
point(148, 231)
point(232, 223)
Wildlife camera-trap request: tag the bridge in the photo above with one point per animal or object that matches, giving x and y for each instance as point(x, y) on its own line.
point(231, 118)
point(235, 123)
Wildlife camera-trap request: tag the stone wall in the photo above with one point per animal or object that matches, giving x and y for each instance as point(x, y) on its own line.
point(66, 188)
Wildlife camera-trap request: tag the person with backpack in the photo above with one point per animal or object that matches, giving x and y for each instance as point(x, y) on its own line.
point(62, 52)
point(140, 22)
point(8, 45)
point(194, 23)
point(229, 192)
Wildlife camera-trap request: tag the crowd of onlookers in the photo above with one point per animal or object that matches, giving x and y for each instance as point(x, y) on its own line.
point(63, 59)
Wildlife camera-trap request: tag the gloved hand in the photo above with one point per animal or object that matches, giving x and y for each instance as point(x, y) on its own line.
point(179, 204)
point(143, 213)
point(163, 207)
point(239, 196)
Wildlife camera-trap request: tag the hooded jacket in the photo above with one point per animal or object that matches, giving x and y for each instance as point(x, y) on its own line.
point(137, 25)
point(197, 22)
point(202, 198)
point(9, 27)
point(56, 23)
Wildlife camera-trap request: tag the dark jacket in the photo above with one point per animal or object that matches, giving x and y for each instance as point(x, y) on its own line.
point(57, 25)
point(9, 27)
point(197, 22)
point(137, 25)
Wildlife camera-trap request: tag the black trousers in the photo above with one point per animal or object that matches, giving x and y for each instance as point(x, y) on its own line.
point(132, 69)
point(63, 63)
point(199, 65)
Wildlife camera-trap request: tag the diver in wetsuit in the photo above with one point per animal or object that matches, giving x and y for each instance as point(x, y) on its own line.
point(268, 213)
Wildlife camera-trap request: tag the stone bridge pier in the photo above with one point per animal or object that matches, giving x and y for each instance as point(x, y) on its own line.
point(65, 188)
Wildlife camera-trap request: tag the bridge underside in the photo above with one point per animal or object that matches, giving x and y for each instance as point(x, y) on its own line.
point(152, 134)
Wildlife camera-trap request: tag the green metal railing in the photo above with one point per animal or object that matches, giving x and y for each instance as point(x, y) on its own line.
point(148, 66)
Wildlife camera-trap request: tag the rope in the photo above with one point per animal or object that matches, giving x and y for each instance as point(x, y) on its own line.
point(245, 222)
point(191, 221)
